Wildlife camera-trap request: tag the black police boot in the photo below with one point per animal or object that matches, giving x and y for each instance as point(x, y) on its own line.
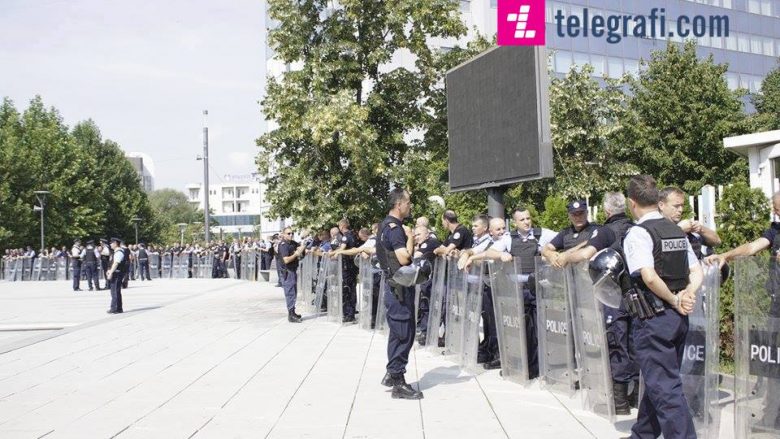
point(349, 319)
point(620, 390)
point(401, 390)
point(495, 364)
point(441, 342)
point(422, 338)
point(633, 397)
point(292, 318)
point(388, 380)
point(294, 313)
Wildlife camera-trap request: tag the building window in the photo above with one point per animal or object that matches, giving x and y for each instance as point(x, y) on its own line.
point(732, 80)
point(599, 65)
point(632, 66)
point(615, 67)
point(562, 61)
point(580, 59)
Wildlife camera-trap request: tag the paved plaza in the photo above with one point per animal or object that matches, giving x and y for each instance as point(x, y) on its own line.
point(217, 359)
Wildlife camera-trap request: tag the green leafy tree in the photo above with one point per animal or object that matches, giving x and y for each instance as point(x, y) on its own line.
point(555, 215)
point(171, 208)
point(743, 215)
point(343, 121)
point(680, 112)
point(767, 102)
point(586, 125)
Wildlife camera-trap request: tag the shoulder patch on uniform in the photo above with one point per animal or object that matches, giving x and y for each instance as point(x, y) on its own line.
point(392, 225)
point(424, 245)
point(456, 235)
point(595, 233)
point(344, 238)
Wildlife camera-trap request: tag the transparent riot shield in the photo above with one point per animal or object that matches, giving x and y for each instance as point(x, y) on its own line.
point(62, 267)
point(472, 315)
point(175, 266)
point(334, 287)
point(243, 264)
point(26, 268)
point(456, 310)
point(36, 269)
point(381, 309)
point(320, 282)
point(52, 269)
point(166, 266)
point(757, 346)
point(590, 343)
point(366, 283)
point(506, 282)
point(154, 265)
point(6, 271)
point(556, 354)
point(196, 260)
point(699, 369)
point(436, 304)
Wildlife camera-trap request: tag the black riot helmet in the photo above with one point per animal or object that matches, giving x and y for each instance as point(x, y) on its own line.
point(606, 268)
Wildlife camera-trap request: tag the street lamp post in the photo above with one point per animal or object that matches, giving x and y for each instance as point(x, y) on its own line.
point(182, 227)
point(239, 234)
point(41, 196)
point(136, 219)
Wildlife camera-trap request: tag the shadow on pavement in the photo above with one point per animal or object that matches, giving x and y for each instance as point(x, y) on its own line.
point(442, 375)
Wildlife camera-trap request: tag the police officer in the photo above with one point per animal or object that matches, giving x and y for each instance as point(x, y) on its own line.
point(289, 255)
point(426, 244)
point(348, 270)
point(105, 256)
point(89, 259)
point(395, 248)
point(702, 238)
point(75, 262)
point(143, 261)
point(623, 366)
point(578, 232)
point(128, 261)
point(459, 236)
point(118, 267)
point(663, 268)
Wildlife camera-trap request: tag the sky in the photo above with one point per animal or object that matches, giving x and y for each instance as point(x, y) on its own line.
point(144, 71)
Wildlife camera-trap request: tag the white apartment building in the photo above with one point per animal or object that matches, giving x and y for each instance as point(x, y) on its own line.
point(239, 207)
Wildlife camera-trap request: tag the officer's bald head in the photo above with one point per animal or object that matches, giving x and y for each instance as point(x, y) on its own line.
point(497, 227)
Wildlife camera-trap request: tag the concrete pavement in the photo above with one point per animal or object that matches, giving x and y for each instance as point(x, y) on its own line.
point(218, 359)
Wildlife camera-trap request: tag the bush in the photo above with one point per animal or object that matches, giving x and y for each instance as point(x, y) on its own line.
point(555, 216)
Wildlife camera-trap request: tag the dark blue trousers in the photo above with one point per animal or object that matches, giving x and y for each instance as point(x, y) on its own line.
point(290, 287)
point(348, 292)
point(92, 276)
point(489, 346)
point(622, 358)
point(116, 291)
point(400, 322)
point(424, 307)
point(76, 273)
point(660, 343)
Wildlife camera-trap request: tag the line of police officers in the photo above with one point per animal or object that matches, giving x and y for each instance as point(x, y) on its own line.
point(116, 263)
point(662, 253)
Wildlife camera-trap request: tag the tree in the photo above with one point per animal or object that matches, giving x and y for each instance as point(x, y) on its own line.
point(171, 207)
point(343, 120)
point(585, 121)
point(767, 101)
point(680, 112)
point(94, 189)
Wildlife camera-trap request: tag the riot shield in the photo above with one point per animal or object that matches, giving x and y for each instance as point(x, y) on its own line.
point(456, 310)
point(757, 346)
point(176, 266)
point(6, 270)
point(26, 268)
point(52, 269)
point(154, 265)
point(320, 281)
point(590, 342)
point(231, 266)
point(166, 266)
point(506, 283)
point(36, 269)
point(244, 256)
point(334, 286)
point(62, 266)
point(366, 283)
point(381, 310)
point(699, 369)
point(436, 304)
point(472, 315)
point(556, 355)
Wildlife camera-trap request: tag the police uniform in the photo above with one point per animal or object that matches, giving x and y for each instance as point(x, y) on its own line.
point(289, 273)
point(89, 260)
point(399, 300)
point(348, 277)
point(426, 248)
point(143, 262)
point(659, 243)
point(461, 237)
point(524, 248)
point(622, 355)
point(570, 237)
point(115, 281)
point(128, 264)
point(75, 262)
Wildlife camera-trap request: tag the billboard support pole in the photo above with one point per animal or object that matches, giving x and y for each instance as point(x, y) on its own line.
point(496, 201)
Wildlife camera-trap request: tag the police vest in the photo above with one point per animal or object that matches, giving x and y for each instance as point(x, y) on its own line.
point(388, 261)
point(572, 237)
point(696, 244)
point(90, 255)
point(142, 255)
point(670, 252)
point(526, 249)
point(619, 227)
